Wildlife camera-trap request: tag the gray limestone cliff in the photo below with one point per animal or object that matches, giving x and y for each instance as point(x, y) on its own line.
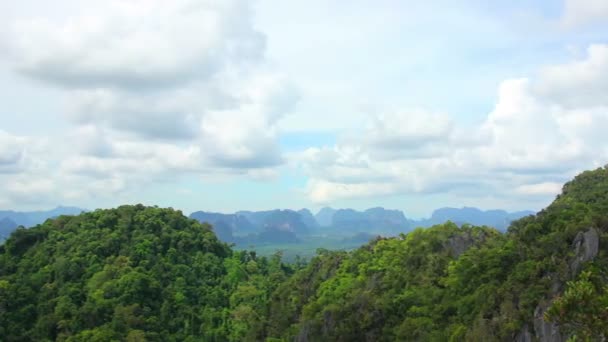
point(585, 247)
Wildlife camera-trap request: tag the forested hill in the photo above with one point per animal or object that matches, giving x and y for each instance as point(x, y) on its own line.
point(140, 273)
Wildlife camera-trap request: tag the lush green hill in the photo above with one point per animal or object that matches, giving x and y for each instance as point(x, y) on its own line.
point(132, 273)
point(138, 273)
point(453, 284)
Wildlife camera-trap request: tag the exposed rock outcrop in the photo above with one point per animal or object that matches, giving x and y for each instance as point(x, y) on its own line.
point(524, 335)
point(545, 331)
point(586, 246)
point(459, 243)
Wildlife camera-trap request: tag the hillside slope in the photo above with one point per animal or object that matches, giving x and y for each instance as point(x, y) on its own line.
point(542, 280)
point(140, 273)
point(133, 273)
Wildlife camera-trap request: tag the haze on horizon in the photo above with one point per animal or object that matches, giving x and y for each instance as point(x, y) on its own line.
point(240, 105)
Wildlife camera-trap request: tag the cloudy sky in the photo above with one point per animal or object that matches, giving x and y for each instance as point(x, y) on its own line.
point(226, 105)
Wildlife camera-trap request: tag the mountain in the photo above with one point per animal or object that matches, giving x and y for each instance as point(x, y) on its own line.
point(285, 220)
point(252, 228)
point(133, 273)
point(272, 235)
point(257, 218)
point(349, 220)
point(139, 273)
point(325, 216)
point(226, 225)
point(375, 220)
point(542, 280)
point(7, 226)
point(389, 222)
point(32, 218)
point(499, 219)
point(308, 219)
point(385, 220)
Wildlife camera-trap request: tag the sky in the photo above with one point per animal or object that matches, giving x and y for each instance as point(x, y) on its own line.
point(251, 105)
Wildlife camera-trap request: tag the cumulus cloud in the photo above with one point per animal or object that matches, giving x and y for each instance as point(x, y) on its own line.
point(415, 133)
point(579, 84)
point(579, 12)
point(25, 189)
point(185, 77)
point(12, 151)
point(20, 153)
point(245, 136)
point(546, 126)
point(546, 188)
point(588, 77)
point(149, 116)
point(321, 191)
point(154, 90)
point(139, 44)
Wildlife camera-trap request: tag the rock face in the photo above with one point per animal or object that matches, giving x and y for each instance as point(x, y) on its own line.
point(545, 331)
point(225, 224)
point(524, 335)
point(374, 220)
point(285, 220)
point(586, 246)
point(308, 218)
point(325, 216)
point(458, 244)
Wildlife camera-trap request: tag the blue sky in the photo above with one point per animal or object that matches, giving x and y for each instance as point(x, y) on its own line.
point(221, 106)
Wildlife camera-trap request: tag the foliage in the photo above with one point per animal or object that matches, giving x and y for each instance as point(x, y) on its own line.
point(140, 273)
point(130, 274)
point(416, 288)
point(583, 308)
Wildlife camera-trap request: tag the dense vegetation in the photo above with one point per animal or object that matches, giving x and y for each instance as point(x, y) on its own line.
point(134, 274)
point(147, 274)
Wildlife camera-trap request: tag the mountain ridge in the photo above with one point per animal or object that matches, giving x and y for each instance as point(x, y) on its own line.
point(139, 273)
point(375, 220)
point(32, 218)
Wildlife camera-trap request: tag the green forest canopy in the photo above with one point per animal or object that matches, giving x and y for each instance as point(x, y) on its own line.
point(139, 273)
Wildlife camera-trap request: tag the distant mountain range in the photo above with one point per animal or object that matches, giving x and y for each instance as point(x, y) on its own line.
point(289, 226)
point(10, 220)
point(374, 220)
point(6, 227)
point(253, 227)
point(281, 226)
point(499, 219)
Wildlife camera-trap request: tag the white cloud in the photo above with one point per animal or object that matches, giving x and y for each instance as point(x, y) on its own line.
point(528, 136)
point(154, 90)
point(579, 12)
point(578, 84)
point(159, 90)
point(26, 189)
point(19, 153)
point(326, 192)
point(245, 136)
point(139, 44)
point(416, 133)
point(92, 141)
point(265, 175)
point(546, 188)
point(12, 152)
point(189, 73)
point(149, 116)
